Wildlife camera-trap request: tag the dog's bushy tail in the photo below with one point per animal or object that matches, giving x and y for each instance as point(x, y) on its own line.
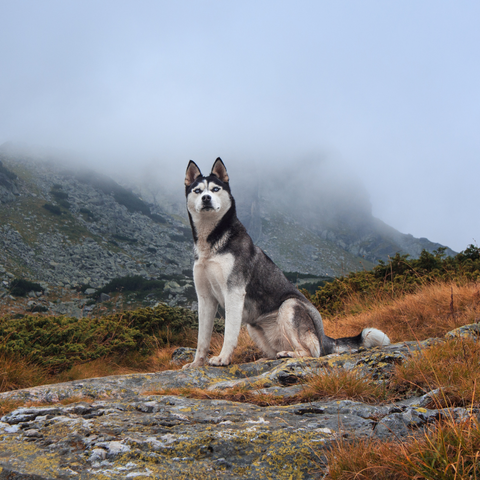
point(369, 337)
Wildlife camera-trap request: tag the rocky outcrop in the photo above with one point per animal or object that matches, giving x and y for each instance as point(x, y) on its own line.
point(120, 427)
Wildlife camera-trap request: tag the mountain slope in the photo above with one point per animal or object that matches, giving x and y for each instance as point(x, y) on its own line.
point(69, 226)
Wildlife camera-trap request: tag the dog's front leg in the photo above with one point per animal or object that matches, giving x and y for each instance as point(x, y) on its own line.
point(234, 303)
point(207, 308)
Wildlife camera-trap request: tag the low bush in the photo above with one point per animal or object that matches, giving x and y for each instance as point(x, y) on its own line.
point(132, 283)
point(65, 204)
point(88, 213)
point(19, 287)
point(59, 194)
point(179, 238)
point(57, 343)
point(55, 209)
point(157, 218)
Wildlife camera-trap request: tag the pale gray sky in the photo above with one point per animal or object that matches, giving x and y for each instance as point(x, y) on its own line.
point(389, 91)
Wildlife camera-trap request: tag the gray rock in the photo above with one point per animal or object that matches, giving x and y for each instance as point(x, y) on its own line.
point(470, 331)
point(183, 354)
point(103, 298)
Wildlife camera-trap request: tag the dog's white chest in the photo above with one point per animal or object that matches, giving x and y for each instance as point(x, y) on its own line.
point(211, 275)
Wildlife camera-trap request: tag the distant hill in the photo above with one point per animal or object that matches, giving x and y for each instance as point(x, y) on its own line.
point(70, 226)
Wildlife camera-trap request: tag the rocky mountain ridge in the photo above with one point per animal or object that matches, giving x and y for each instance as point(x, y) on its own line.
point(69, 226)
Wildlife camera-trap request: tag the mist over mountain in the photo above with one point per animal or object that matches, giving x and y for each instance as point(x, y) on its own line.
point(64, 224)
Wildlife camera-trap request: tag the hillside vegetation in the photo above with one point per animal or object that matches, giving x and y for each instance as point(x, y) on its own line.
point(395, 278)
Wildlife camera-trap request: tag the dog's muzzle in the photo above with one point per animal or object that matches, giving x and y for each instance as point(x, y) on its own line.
point(207, 202)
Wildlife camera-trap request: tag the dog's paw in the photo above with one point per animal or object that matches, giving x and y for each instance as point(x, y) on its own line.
point(199, 363)
point(219, 361)
point(286, 354)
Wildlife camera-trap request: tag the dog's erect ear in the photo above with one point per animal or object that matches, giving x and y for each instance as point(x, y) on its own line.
point(192, 173)
point(219, 170)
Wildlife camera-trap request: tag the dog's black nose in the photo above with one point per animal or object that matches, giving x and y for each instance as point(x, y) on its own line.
point(206, 198)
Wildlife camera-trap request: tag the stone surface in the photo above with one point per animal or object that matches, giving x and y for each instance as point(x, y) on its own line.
point(121, 427)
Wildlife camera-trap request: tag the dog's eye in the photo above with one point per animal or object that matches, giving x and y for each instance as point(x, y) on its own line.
point(198, 190)
point(215, 189)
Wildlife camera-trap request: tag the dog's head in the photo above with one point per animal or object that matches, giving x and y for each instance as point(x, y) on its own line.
point(207, 195)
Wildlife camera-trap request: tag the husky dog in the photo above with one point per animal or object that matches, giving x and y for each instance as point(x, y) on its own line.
point(230, 271)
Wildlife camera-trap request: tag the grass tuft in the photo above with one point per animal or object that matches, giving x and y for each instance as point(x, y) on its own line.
point(343, 384)
point(452, 367)
point(17, 373)
point(447, 451)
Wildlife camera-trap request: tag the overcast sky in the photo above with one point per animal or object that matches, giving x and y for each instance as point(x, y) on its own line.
point(388, 91)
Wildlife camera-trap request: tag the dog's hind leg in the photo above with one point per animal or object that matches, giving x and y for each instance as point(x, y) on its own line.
point(257, 334)
point(298, 336)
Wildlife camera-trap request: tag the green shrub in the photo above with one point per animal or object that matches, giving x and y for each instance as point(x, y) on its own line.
point(82, 287)
point(52, 209)
point(398, 276)
point(38, 309)
point(157, 218)
point(19, 287)
point(57, 343)
point(134, 283)
point(59, 194)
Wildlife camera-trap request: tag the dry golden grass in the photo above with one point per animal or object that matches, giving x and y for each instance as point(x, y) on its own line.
point(8, 405)
point(432, 311)
point(101, 367)
point(159, 361)
point(343, 384)
point(447, 451)
point(452, 366)
point(17, 373)
point(246, 350)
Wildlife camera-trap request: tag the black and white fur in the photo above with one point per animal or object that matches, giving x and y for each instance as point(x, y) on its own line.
point(230, 271)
